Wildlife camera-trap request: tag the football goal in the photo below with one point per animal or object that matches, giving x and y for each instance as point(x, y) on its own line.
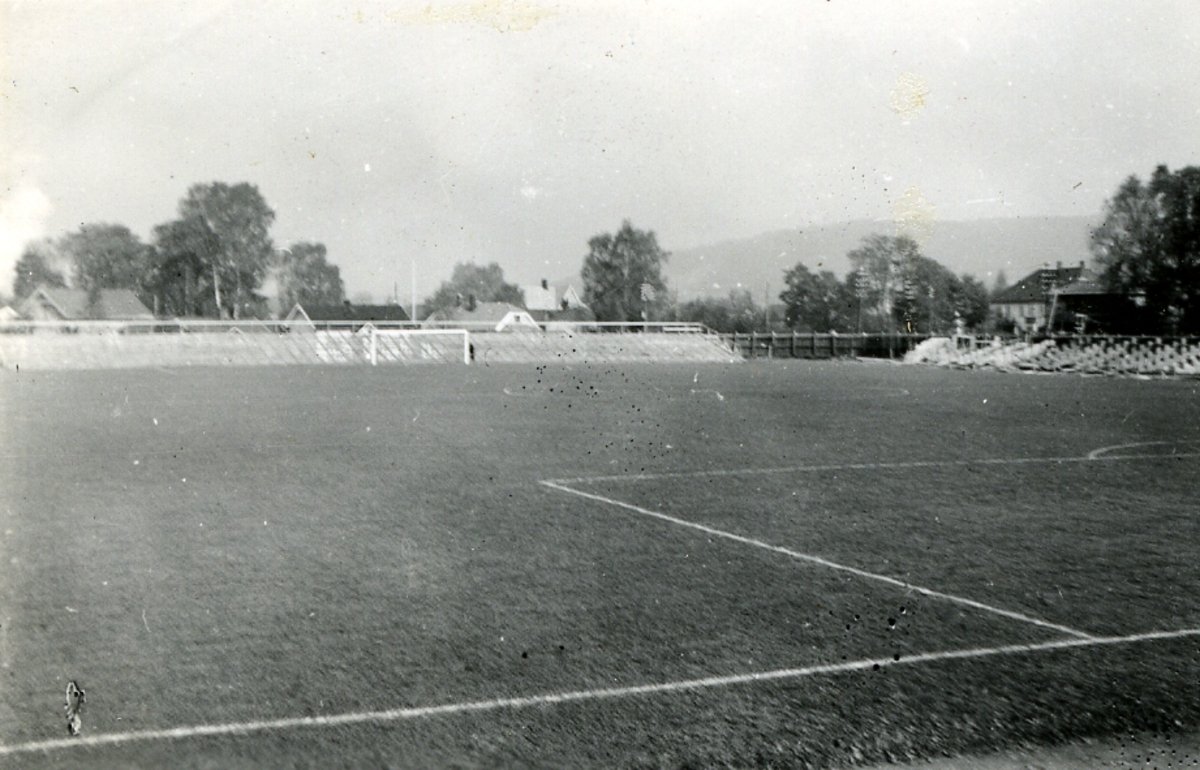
point(415, 345)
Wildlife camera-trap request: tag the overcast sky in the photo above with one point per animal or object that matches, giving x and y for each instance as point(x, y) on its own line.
point(412, 135)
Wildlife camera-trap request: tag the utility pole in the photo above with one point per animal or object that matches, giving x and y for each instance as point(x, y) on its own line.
point(413, 265)
point(860, 290)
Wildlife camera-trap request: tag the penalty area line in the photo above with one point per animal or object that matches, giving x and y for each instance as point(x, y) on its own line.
point(962, 600)
point(454, 709)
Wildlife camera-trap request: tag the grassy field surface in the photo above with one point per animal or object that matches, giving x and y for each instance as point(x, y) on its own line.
point(223, 548)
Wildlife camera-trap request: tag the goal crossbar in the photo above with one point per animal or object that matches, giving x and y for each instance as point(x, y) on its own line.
point(418, 336)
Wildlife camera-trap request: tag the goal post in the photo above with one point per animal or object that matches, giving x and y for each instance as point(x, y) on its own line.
point(419, 345)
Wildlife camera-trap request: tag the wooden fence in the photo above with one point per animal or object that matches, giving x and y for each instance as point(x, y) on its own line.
point(811, 345)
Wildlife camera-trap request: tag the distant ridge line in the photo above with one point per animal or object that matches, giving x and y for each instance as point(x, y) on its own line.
point(980, 247)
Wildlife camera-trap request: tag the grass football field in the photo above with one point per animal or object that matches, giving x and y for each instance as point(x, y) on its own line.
point(770, 564)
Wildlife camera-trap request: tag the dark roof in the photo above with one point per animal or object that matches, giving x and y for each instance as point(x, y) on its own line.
point(484, 312)
point(576, 313)
point(1087, 283)
point(73, 304)
point(1037, 286)
point(351, 312)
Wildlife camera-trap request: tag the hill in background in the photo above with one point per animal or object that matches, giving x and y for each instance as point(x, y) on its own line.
point(978, 247)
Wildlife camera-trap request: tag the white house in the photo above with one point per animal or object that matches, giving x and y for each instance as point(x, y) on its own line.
point(494, 316)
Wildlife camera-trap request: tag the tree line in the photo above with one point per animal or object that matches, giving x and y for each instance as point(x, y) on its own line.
point(213, 258)
point(892, 287)
point(1147, 250)
point(210, 261)
point(622, 279)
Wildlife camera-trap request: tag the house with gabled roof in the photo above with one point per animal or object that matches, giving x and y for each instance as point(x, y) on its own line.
point(571, 299)
point(540, 298)
point(53, 303)
point(1067, 297)
point(546, 308)
point(1029, 302)
point(348, 311)
point(494, 316)
point(1086, 304)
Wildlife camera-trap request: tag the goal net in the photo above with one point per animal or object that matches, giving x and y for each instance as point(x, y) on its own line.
point(416, 345)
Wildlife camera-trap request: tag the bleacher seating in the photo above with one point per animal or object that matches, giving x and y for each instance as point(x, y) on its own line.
point(1143, 356)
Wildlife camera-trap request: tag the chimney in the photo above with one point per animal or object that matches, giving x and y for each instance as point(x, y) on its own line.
point(1058, 266)
point(545, 284)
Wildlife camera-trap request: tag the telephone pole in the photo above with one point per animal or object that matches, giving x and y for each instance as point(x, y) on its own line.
point(413, 266)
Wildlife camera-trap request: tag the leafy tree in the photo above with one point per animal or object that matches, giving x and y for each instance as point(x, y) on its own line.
point(900, 288)
point(305, 276)
point(34, 269)
point(735, 313)
point(622, 275)
point(971, 301)
point(923, 303)
point(879, 265)
point(818, 302)
point(470, 283)
point(180, 261)
point(934, 300)
point(105, 256)
point(969, 297)
point(238, 222)
point(1148, 247)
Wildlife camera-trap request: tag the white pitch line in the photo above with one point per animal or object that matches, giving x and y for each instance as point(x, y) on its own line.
point(823, 562)
point(453, 709)
point(1090, 457)
point(1102, 452)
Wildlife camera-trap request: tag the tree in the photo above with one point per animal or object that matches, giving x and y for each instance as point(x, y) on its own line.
point(934, 300)
point(105, 256)
point(736, 313)
point(1000, 283)
point(622, 275)
point(470, 284)
point(969, 297)
point(1148, 247)
point(34, 269)
point(879, 265)
point(923, 303)
point(306, 277)
point(179, 261)
point(238, 220)
point(900, 288)
point(818, 302)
